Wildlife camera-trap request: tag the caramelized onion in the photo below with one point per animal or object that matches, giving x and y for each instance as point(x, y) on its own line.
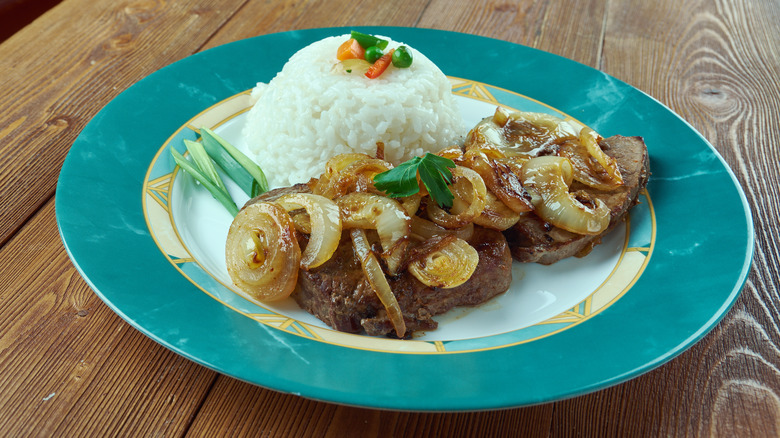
point(590, 139)
point(550, 178)
point(366, 170)
point(520, 134)
point(339, 162)
point(496, 214)
point(301, 220)
point(325, 226)
point(262, 252)
point(376, 278)
point(502, 178)
point(411, 203)
point(445, 261)
point(454, 153)
point(423, 229)
point(347, 173)
point(538, 130)
point(369, 211)
point(467, 184)
point(586, 169)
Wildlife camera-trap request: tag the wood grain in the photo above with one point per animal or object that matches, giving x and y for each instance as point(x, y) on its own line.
point(261, 18)
point(719, 77)
point(71, 367)
point(64, 354)
point(89, 58)
point(250, 410)
point(554, 26)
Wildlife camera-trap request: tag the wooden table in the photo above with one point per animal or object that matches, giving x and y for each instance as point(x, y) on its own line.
point(71, 367)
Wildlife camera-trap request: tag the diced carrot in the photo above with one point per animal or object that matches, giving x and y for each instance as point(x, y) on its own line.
point(350, 49)
point(380, 65)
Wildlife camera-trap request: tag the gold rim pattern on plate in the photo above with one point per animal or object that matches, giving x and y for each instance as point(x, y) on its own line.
point(156, 201)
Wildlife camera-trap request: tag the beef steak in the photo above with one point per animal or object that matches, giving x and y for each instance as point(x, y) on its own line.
point(534, 240)
point(339, 294)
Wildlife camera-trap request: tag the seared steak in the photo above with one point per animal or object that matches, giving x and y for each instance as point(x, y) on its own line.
point(339, 294)
point(534, 240)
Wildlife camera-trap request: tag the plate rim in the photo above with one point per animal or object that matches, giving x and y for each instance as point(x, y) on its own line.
point(233, 106)
point(65, 229)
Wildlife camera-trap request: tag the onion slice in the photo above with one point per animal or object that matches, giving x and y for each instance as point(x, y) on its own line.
point(550, 177)
point(325, 225)
point(376, 278)
point(467, 184)
point(423, 229)
point(386, 216)
point(445, 261)
point(496, 214)
point(262, 252)
point(502, 178)
point(590, 139)
point(346, 173)
point(411, 203)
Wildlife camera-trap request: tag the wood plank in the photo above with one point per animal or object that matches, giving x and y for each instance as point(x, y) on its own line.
point(89, 58)
point(71, 367)
point(242, 409)
point(260, 18)
point(553, 26)
point(701, 58)
point(719, 387)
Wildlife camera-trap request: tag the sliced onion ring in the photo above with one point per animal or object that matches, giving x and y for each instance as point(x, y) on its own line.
point(590, 139)
point(466, 184)
point(586, 169)
point(423, 229)
point(496, 214)
point(445, 261)
point(550, 177)
point(411, 203)
point(502, 178)
point(376, 278)
point(332, 169)
point(386, 216)
point(262, 252)
point(325, 223)
point(349, 173)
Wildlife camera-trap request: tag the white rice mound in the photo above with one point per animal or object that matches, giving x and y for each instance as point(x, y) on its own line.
point(313, 110)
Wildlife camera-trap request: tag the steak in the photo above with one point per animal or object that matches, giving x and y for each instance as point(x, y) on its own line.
point(534, 240)
point(338, 293)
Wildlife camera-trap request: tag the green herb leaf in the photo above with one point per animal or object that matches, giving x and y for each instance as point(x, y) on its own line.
point(435, 174)
point(434, 171)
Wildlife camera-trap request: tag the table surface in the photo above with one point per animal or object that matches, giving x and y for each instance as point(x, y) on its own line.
point(71, 367)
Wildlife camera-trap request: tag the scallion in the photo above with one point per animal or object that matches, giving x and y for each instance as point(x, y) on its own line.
point(219, 194)
point(204, 163)
point(245, 172)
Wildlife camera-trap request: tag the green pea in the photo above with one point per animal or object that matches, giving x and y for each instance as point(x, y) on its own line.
point(373, 53)
point(402, 57)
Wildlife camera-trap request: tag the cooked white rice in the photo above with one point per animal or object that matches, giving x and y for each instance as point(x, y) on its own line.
point(313, 110)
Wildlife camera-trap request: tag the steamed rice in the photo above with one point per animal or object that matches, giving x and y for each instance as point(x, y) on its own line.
point(313, 110)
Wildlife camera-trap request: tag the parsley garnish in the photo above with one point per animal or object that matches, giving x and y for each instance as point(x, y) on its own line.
point(434, 171)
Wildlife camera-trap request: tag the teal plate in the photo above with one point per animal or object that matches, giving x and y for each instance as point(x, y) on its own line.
point(118, 194)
